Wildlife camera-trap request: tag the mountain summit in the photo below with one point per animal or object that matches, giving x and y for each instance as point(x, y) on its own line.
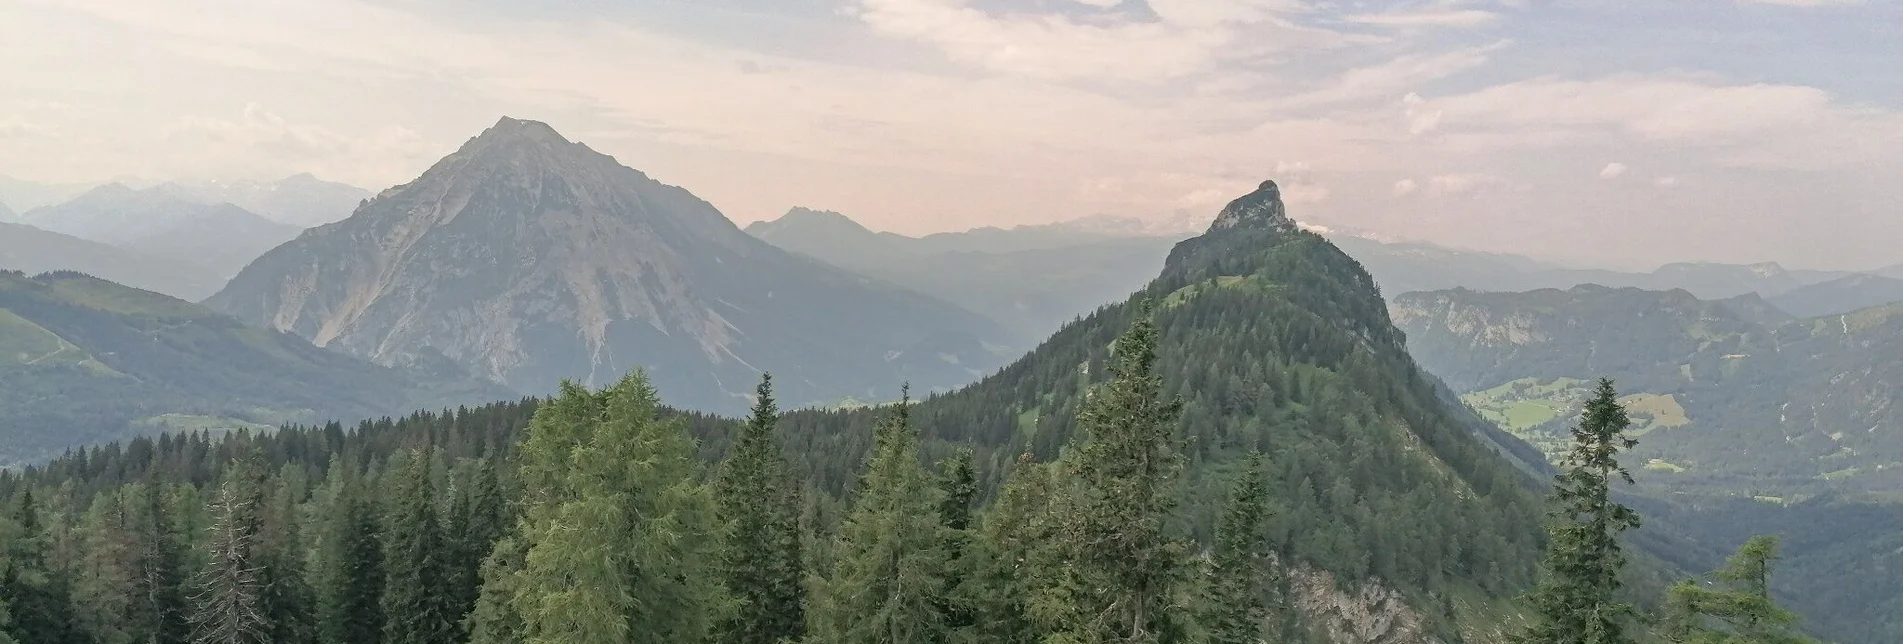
point(528, 258)
point(1260, 208)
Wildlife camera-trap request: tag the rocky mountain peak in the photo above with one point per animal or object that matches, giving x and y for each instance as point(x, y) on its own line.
point(1262, 208)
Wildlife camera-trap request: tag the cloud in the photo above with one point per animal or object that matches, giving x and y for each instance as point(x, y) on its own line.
point(1432, 18)
point(1761, 125)
point(1405, 187)
point(1612, 170)
point(1666, 182)
point(1461, 185)
point(235, 147)
point(1190, 37)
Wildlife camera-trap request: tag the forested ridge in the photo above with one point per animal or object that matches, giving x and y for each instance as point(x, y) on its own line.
point(1181, 467)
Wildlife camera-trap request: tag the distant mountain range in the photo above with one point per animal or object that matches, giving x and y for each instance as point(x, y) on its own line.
point(1731, 395)
point(84, 360)
point(157, 222)
point(1405, 267)
point(34, 251)
point(299, 200)
point(1031, 279)
point(529, 259)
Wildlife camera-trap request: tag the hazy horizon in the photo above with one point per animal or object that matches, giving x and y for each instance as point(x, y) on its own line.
point(1582, 133)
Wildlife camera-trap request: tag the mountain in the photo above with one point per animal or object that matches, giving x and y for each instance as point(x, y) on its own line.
point(1402, 267)
point(529, 259)
point(1031, 279)
point(300, 200)
point(7, 214)
point(34, 251)
point(156, 222)
point(1841, 295)
point(84, 360)
point(1388, 492)
point(1730, 401)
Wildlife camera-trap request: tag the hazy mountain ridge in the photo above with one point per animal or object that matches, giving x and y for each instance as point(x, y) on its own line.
point(529, 259)
point(1403, 267)
point(154, 221)
point(34, 251)
point(1031, 279)
point(1841, 295)
point(84, 360)
point(300, 200)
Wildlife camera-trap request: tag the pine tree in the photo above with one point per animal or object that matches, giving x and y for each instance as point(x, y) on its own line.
point(102, 585)
point(887, 582)
point(289, 602)
point(475, 523)
point(415, 608)
point(229, 599)
point(617, 534)
point(39, 597)
point(761, 561)
point(495, 619)
point(1740, 610)
point(6, 624)
point(159, 610)
point(1576, 601)
point(1233, 608)
point(1014, 561)
point(1123, 570)
point(958, 487)
point(348, 578)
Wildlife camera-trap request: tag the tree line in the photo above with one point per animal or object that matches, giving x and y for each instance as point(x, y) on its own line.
point(605, 522)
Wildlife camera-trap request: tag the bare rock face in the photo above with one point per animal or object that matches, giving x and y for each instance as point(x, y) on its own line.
point(530, 259)
point(1262, 208)
point(1370, 614)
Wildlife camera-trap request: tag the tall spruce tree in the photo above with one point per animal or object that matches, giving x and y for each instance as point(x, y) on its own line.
point(348, 577)
point(1124, 569)
point(1235, 587)
point(958, 488)
point(475, 523)
point(1738, 609)
point(415, 608)
point(761, 561)
point(159, 610)
point(617, 534)
point(887, 583)
point(39, 597)
point(229, 592)
point(1577, 600)
point(289, 603)
point(102, 585)
point(1014, 560)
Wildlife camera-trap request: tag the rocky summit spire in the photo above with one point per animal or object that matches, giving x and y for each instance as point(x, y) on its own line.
point(1262, 208)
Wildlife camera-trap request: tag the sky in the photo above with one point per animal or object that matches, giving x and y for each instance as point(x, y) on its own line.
point(1594, 132)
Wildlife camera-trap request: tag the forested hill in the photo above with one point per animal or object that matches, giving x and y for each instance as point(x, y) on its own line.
point(84, 360)
point(1279, 342)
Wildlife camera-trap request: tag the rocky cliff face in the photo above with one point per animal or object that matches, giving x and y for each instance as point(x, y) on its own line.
point(530, 259)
